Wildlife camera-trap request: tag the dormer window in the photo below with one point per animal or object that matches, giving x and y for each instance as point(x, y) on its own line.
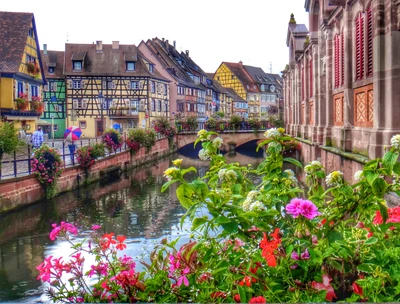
point(151, 68)
point(50, 70)
point(31, 32)
point(130, 65)
point(77, 65)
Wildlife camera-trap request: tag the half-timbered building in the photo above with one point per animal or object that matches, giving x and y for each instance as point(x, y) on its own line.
point(21, 69)
point(54, 93)
point(341, 85)
point(112, 84)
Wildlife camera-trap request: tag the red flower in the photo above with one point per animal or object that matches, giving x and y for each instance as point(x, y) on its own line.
point(236, 298)
point(259, 299)
point(393, 216)
point(325, 285)
point(107, 240)
point(357, 289)
point(218, 294)
point(121, 245)
point(268, 247)
point(247, 280)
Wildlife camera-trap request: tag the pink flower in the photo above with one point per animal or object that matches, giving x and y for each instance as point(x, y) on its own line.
point(259, 299)
point(325, 285)
point(293, 208)
point(305, 255)
point(96, 227)
point(63, 228)
point(308, 209)
point(295, 256)
point(183, 279)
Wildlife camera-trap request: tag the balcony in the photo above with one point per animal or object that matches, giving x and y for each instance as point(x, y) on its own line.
point(123, 113)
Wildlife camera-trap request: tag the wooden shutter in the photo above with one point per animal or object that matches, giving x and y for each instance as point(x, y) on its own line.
point(69, 83)
point(336, 63)
point(29, 92)
point(141, 84)
point(369, 42)
point(75, 103)
point(16, 89)
point(55, 86)
point(128, 85)
point(85, 103)
point(83, 84)
point(342, 59)
point(359, 47)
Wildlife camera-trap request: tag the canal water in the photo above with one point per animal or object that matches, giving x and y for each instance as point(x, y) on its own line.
point(132, 206)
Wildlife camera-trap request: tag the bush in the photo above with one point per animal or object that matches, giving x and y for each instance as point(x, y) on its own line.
point(98, 150)
point(84, 156)
point(140, 138)
point(190, 123)
point(112, 140)
point(253, 243)
point(47, 166)
point(234, 122)
point(9, 141)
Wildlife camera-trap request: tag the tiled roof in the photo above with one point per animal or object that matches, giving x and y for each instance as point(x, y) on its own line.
point(108, 62)
point(258, 75)
point(234, 95)
point(243, 76)
point(53, 59)
point(14, 29)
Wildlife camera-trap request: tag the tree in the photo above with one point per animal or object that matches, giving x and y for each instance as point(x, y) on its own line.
point(9, 141)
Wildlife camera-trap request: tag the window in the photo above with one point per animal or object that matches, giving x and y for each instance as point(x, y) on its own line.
point(77, 65)
point(134, 85)
point(188, 107)
point(130, 65)
point(363, 44)
point(55, 128)
point(134, 105)
point(152, 86)
point(53, 86)
point(165, 89)
point(20, 88)
point(29, 58)
point(153, 105)
point(369, 42)
point(151, 68)
point(263, 88)
point(76, 84)
point(79, 103)
point(337, 45)
point(34, 91)
point(31, 32)
point(159, 106)
point(50, 70)
point(56, 108)
point(82, 124)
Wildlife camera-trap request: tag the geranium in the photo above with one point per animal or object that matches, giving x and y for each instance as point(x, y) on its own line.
point(306, 208)
point(325, 285)
point(112, 140)
point(63, 229)
point(84, 156)
point(269, 246)
point(393, 216)
point(259, 300)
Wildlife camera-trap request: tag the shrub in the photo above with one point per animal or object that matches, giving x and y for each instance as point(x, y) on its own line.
point(234, 122)
point(140, 138)
point(47, 166)
point(255, 124)
point(190, 123)
point(211, 123)
point(9, 141)
point(85, 157)
point(98, 150)
point(112, 140)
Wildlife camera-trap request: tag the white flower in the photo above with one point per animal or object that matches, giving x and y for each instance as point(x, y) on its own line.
point(395, 141)
point(334, 178)
point(203, 155)
point(272, 133)
point(252, 194)
point(221, 174)
point(289, 172)
point(230, 174)
point(316, 163)
point(246, 204)
point(217, 142)
point(257, 206)
point(358, 175)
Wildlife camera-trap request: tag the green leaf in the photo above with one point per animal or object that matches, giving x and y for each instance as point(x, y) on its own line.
point(185, 195)
point(334, 236)
point(198, 221)
point(167, 184)
point(222, 220)
point(231, 227)
point(200, 188)
point(293, 161)
point(389, 159)
point(370, 176)
point(384, 212)
point(379, 187)
point(242, 293)
point(263, 143)
point(366, 267)
point(396, 168)
point(184, 171)
point(371, 241)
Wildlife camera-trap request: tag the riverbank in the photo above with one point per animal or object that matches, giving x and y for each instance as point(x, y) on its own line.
point(22, 191)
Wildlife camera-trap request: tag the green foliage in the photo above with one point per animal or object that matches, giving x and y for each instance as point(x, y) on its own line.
point(9, 141)
point(98, 150)
point(144, 138)
point(234, 122)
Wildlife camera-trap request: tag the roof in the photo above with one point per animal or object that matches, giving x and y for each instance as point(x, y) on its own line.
point(234, 95)
point(14, 29)
point(295, 29)
point(258, 75)
point(108, 61)
point(242, 75)
point(53, 59)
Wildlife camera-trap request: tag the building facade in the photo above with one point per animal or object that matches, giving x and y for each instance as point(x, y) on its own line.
point(112, 85)
point(342, 83)
point(21, 70)
point(54, 115)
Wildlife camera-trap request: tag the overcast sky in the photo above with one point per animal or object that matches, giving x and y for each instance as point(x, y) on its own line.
point(253, 31)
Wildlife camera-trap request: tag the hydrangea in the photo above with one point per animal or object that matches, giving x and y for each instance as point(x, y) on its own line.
point(289, 172)
point(312, 167)
point(257, 206)
point(230, 174)
point(221, 174)
point(395, 141)
point(246, 204)
point(334, 179)
point(225, 174)
point(203, 155)
point(358, 175)
point(272, 133)
point(217, 142)
point(252, 194)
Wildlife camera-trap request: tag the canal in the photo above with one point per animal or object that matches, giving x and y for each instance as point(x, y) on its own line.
point(132, 206)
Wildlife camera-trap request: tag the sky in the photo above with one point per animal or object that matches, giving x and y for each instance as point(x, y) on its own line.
point(251, 31)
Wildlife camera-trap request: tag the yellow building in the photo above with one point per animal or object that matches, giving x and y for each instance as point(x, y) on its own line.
point(21, 70)
point(112, 85)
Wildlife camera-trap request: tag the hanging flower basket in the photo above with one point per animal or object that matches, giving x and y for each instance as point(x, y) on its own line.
point(22, 102)
point(37, 105)
point(112, 140)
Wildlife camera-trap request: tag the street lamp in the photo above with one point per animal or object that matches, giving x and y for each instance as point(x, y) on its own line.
point(100, 100)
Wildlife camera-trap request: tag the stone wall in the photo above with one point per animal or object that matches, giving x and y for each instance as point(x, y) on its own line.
point(20, 191)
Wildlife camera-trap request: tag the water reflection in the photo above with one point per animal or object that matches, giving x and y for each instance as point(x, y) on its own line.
point(132, 206)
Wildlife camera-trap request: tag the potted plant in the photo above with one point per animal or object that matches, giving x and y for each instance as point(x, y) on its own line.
point(22, 102)
point(37, 105)
point(33, 68)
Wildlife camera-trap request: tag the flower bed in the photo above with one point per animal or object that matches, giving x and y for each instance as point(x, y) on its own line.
point(270, 242)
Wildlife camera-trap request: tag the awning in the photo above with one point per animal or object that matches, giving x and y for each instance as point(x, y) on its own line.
point(16, 117)
point(42, 122)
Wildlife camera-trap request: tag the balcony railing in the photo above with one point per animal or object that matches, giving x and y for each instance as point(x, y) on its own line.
point(123, 113)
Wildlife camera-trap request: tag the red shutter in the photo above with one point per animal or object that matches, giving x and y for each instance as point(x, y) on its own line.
point(336, 58)
point(311, 78)
point(369, 42)
point(359, 47)
point(342, 59)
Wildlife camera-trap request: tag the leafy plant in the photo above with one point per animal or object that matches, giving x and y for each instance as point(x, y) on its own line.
point(98, 150)
point(234, 122)
point(9, 141)
point(190, 123)
point(112, 140)
point(22, 101)
point(85, 157)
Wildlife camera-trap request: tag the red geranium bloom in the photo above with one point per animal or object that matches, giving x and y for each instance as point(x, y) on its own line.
point(325, 285)
point(236, 298)
point(218, 294)
point(247, 280)
point(357, 289)
point(107, 240)
point(259, 299)
point(268, 247)
point(121, 245)
point(393, 216)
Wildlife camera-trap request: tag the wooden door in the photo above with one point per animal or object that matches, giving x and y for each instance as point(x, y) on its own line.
point(99, 127)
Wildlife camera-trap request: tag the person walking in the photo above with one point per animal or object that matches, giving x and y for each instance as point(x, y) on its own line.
point(37, 138)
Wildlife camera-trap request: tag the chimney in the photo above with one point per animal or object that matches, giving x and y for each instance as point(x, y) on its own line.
point(115, 45)
point(187, 53)
point(99, 46)
point(162, 39)
point(44, 49)
point(174, 44)
point(241, 62)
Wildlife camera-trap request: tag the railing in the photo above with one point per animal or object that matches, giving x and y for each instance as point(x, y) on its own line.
point(19, 163)
point(223, 127)
point(123, 113)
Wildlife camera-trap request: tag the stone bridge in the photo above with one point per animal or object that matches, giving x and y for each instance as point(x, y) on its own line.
point(236, 138)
